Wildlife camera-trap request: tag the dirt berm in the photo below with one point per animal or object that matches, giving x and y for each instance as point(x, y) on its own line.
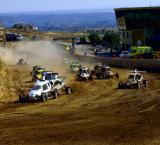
point(4, 81)
point(10, 82)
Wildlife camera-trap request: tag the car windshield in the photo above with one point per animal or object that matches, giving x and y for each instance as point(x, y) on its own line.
point(37, 87)
point(108, 69)
point(131, 77)
point(84, 71)
point(133, 51)
point(49, 77)
point(125, 52)
point(19, 36)
point(76, 61)
point(74, 65)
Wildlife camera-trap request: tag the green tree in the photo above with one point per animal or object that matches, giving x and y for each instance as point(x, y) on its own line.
point(107, 39)
point(111, 39)
point(83, 39)
point(94, 38)
point(115, 39)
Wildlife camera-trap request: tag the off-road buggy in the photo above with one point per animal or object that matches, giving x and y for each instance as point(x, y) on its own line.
point(135, 80)
point(49, 76)
point(22, 61)
point(84, 74)
point(103, 71)
point(44, 90)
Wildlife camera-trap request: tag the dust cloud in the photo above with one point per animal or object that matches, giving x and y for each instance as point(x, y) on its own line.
point(44, 53)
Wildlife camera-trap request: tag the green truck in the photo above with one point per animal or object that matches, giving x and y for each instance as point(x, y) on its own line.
point(141, 52)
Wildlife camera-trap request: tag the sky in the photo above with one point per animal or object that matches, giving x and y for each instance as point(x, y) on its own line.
point(58, 5)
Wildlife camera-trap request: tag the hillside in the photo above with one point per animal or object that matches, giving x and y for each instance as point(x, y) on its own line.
point(72, 21)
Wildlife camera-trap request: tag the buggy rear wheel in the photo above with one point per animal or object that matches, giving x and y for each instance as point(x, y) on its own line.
point(146, 83)
point(138, 85)
point(120, 85)
point(117, 75)
point(98, 76)
point(21, 99)
point(44, 98)
point(55, 93)
point(91, 78)
point(68, 90)
point(78, 78)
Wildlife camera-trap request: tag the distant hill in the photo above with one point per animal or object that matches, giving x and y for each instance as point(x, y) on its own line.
point(62, 21)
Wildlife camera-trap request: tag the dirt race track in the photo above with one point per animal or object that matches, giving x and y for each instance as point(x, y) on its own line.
point(97, 113)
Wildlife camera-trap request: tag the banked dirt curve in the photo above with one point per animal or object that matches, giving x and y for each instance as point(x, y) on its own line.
point(97, 113)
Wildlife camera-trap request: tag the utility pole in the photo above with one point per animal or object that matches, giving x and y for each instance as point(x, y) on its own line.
point(150, 3)
point(73, 44)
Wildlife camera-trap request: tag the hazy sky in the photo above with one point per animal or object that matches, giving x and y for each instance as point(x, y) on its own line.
point(52, 5)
